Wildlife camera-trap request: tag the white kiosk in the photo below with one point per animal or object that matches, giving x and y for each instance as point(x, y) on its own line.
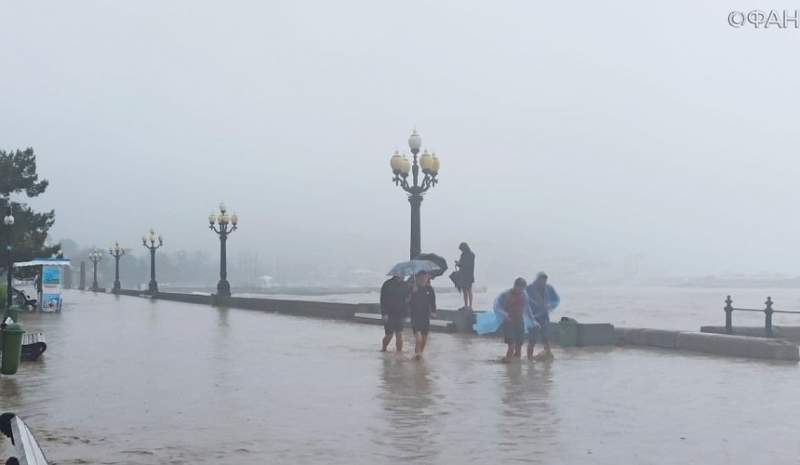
point(52, 281)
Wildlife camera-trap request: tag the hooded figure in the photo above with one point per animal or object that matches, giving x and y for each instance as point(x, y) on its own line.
point(490, 322)
point(544, 298)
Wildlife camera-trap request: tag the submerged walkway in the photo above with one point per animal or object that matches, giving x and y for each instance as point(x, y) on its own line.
point(139, 381)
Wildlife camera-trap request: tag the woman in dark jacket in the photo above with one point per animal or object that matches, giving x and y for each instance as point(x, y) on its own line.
point(466, 266)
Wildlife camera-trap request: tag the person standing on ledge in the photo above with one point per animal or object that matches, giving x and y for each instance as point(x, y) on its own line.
point(544, 299)
point(466, 266)
point(393, 310)
point(422, 305)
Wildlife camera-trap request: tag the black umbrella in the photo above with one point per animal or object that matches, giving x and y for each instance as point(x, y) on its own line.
point(433, 258)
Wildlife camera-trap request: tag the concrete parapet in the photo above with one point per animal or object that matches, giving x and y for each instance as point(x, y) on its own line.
point(595, 334)
point(647, 337)
point(710, 343)
point(735, 346)
point(789, 333)
point(442, 326)
point(330, 310)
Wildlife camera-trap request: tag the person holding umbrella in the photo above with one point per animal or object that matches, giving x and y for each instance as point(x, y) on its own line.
point(393, 310)
point(422, 305)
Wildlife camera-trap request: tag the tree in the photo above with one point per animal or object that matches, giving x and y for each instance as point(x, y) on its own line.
point(29, 234)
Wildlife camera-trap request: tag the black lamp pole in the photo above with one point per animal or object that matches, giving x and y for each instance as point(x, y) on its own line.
point(226, 225)
point(401, 167)
point(95, 256)
point(9, 222)
point(117, 251)
point(153, 288)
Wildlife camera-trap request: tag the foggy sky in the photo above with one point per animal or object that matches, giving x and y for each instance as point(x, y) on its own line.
point(583, 130)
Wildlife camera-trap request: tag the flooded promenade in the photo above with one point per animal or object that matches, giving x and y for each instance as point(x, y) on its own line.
point(134, 381)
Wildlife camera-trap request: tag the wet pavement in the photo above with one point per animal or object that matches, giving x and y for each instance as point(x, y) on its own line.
point(133, 381)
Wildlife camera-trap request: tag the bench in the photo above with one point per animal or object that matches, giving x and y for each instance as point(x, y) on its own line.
point(441, 326)
point(33, 345)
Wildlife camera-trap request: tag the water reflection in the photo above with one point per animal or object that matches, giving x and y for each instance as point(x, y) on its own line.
point(222, 316)
point(10, 393)
point(528, 415)
point(412, 418)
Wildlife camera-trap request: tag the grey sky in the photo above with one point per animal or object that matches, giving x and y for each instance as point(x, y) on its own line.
point(583, 130)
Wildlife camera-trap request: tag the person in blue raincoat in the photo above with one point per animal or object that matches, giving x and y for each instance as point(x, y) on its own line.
point(515, 316)
point(544, 299)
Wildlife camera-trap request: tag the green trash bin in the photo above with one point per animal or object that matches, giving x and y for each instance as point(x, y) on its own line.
point(567, 332)
point(12, 348)
point(13, 313)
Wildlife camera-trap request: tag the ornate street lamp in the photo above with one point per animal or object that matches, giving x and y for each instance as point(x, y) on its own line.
point(9, 222)
point(95, 256)
point(117, 251)
point(401, 167)
point(153, 289)
point(223, 230)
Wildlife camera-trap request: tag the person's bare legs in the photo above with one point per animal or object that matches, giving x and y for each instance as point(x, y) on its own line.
point(386, 340)
point(510, 352)
point(469, 293)
point(518, 350)
point(424, 342)
point(419, 344)
point(547, 349)
point(399, 341)
point(465, 293)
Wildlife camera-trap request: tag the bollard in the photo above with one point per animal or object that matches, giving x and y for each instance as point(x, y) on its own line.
point(464, 320)
point(768, 317)
point(82, 284)
point(728, 315)
point(12, 348)
point(567, 332)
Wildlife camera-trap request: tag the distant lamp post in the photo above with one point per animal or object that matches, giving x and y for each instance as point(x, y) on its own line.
point(225, 225)
point(117, 251)
point(9, 222)
point(95, 256)
point(402, 167)
point(153, 288)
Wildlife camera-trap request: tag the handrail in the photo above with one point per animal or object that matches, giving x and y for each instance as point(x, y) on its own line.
point(768, 311)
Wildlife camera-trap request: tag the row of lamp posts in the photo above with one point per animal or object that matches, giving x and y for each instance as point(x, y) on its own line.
point(223, 224)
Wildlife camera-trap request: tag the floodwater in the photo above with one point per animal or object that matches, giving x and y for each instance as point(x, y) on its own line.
point(132, 381)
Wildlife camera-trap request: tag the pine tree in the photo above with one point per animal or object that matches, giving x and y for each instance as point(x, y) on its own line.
point(29, 233)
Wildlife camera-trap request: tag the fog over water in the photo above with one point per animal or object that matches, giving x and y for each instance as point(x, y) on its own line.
point(591, 137)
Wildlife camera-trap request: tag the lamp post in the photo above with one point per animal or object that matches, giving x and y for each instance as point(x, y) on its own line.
point(226, 225)
point(95, 256)
point(402, 167)
point(117, 251)
point(9, 221)
point(153, 289)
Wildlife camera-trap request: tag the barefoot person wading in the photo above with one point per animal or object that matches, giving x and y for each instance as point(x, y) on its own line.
point(422, 304)
point(393, 310)
point(514, 307)
point(544, 299)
